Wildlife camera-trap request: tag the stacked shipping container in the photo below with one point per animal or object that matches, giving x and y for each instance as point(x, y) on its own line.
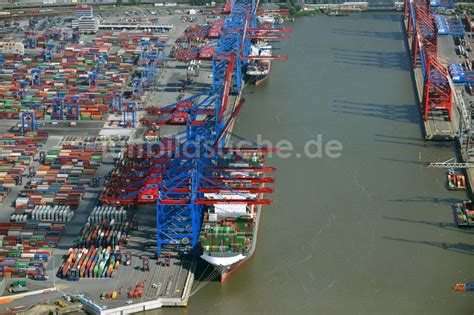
point(16, 156)
point(20, 263)
point(44, 213)
point(227, 235)
point(113, 58)
point(89, 263)
point(98, 251)
point(105, 234)
point(62, 178)
point(107, 213)
point(31, 235)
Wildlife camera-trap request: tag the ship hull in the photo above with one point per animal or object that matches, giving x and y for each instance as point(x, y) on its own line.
point(260, 79)
point(256, 79)
point(225, 274)
point(230, 270)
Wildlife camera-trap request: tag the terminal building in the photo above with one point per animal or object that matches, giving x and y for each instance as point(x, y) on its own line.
point(85, 20)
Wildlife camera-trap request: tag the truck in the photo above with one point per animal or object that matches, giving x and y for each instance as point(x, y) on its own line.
point(17, 283)
point(18, 286)
point(40, 277)
point(66, 297)
point(61, 303)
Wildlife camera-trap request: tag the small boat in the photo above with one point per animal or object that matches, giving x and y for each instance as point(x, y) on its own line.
point(463, 287)
point(456, 181)
point(337, 13)
point(464, 214)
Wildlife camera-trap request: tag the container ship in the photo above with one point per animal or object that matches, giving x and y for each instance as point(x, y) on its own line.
point(270, 19)
point(228, 235)
point(258, 70)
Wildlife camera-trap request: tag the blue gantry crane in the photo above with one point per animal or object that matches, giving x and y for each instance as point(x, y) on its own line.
point(181, 196)
point(117, 101)
point(31, 40)
point(137, 90)
point(129, 114)
point(92, 78)
point(28, 122)
point(150, 69)
point(65, 108)
point(151, 57)
point(193, 172)
point(36, 77)
point(20, 92)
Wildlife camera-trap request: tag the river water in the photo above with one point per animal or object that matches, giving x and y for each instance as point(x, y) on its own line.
point(370, 232)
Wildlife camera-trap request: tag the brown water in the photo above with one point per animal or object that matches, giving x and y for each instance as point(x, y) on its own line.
point(371, 232)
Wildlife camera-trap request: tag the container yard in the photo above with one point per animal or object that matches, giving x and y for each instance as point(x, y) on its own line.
point(99, 202)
